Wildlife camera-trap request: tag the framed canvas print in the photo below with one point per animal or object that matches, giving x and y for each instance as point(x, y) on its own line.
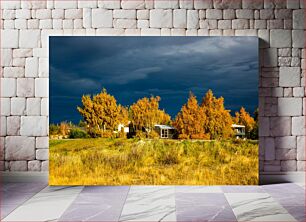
point(153, 110)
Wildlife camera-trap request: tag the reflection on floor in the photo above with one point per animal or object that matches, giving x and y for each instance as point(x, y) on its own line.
point(39, 202)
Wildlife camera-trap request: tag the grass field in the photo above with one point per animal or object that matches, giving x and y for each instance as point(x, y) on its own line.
point(152, 162)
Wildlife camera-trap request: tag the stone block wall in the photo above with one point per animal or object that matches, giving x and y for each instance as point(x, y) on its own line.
point(26, 25)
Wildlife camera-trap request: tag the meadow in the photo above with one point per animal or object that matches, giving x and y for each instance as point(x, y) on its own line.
point(102, 161)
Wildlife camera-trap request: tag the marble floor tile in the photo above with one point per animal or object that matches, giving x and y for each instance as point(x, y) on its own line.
point(298, 212)
point(47, 205)
point(149, 203)
point(283, 188)
point(22, 187)
point(257, 207)
point(6, 210)
point(98, 204)
point(95, 207)
point(203, 207)
point(198, 189)
point(242, 189)
point(290, 199)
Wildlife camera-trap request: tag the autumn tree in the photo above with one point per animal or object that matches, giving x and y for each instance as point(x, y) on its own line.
point(218, 119)
point(190, 120)
point(244, 118)
point(146, 113)
point(101, 112)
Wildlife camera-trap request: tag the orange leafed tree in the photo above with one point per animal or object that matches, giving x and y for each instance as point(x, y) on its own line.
point(190, 120)
point(218, 119)
point(244, 118)
point(146, 113)
point(101, 112)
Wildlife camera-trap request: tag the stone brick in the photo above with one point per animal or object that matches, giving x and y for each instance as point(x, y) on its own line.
point(41, 87)
point(165, 32)
point(284, 61)
point(143, 14)
point(8, 87)
point(289, 76)
point(43, 13)
point(283, 14)
point(150, 32)
point(269, 148)
point(87, 4)
point(42, 142)
point(290, 106)
point(18, 166)
point(6, 57)
point(275, 24)
point(86, 18)
point(264, 38)
point(288, 24)
point(33, 4)
point(191, 32)
point(29, 38)
point(285, 142)
point(73, 13)
point(34, 165)
point(280, 126)
point(18, 106)
point(203, 4)
point(65, 4)
point(19, 62)
point(31, 67)
point(208, 24)
point(42, 154)
point(260, 24)
point(43, 67)
point(58, 13)
point(192, 19)
point(301, 166)
point(13, 125)
point(45, 165)
point(165, 4)
point(245, 14)
point(288, 165)
point(33, 106)
point(298, 38)
point(23, 14)
point(8, 14)
point(125, 23)
point(277, 92)
point(227, 4)
point(186, 4)
point(13, 72)
point(44, 107)
point(298, 92)
point(179, 18)
point(21, 53)
point(126, 14)
point(67, 24)
point(285, 154)
point(228, 14)
point(252, 4)
point(102, 18)
point(109, 4)
point(25, 87)
point(298, 19)
point(110, 32)
point(301, 148)
point(20, 23)
point(10, 4)
point(142, 24)
point(293, 4)
point(213, 14)
point(271, 168)
point(240, 24)
point(298, 126)
point(264, 129)
point(9, 38)
point(133, 4)
point(34, 126)
point(20, 148)
point(5, 108)
point(288, 92)
point(8, 24)
point(3, 132)
point(295, 62)
point(160, 18)
point(266, 14)
point(270, 57)
point(280, 38)
point(224, 24)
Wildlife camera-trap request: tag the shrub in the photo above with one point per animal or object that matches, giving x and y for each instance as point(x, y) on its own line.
point(53, 129)
point(77, 133)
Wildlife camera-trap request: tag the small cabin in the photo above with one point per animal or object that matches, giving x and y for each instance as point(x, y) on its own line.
point(164, 131)
point(239, 131)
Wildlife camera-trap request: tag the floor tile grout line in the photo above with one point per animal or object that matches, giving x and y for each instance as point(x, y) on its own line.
point(127, 194)
point(229, 204)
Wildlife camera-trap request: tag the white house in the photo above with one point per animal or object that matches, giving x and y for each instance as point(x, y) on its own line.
point(164, 131)
point(239, 130)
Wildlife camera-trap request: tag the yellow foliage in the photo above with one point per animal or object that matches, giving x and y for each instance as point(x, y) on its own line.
point(244, 118)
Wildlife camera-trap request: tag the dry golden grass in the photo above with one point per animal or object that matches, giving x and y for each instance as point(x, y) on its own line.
point(152, 162)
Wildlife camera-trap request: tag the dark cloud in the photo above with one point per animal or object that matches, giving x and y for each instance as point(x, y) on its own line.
point(133, 67)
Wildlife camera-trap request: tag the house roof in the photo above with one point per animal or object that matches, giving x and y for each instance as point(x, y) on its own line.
point(164, 126)
point(238, 126)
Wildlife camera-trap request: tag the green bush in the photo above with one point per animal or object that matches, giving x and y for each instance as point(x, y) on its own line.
point(77, 133)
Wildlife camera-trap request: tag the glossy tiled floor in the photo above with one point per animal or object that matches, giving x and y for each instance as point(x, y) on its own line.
point(39, 202)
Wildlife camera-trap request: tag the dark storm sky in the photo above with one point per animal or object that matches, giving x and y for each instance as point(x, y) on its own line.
point(133, 67)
